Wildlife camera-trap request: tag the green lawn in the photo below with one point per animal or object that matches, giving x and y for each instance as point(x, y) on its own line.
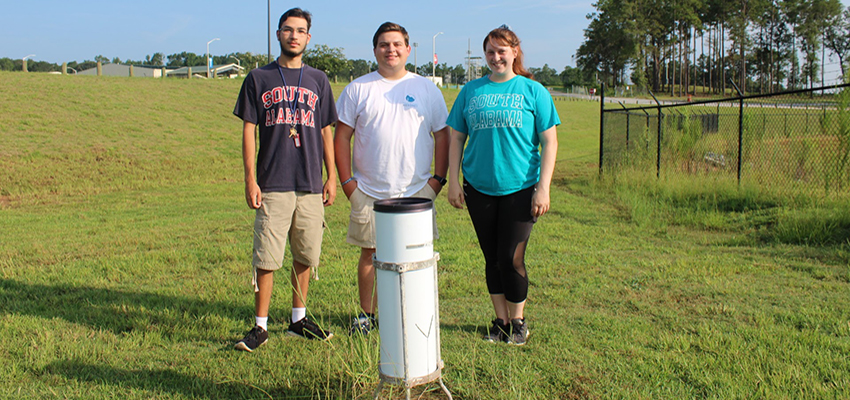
point(125, 271)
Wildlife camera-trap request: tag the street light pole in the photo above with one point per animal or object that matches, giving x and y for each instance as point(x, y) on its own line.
point(208, 56)
point(24, 62)
point(269, 24)
point(415, 65)
point(434, 58)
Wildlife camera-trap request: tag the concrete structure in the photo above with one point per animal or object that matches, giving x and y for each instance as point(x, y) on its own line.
point(124, 70)
point(228, 70)
point(437, 80)
point(199, 71)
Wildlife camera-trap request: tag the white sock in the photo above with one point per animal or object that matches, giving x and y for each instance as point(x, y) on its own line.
point(298, 314)
point(263, 322)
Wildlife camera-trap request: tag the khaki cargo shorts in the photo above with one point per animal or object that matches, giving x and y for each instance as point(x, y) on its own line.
point(361, 224)
point(296, 216)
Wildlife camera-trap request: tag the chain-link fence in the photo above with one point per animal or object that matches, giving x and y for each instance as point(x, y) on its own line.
point(784, 142)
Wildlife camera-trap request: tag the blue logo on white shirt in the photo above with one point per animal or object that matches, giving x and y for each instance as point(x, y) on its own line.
point(410, 99)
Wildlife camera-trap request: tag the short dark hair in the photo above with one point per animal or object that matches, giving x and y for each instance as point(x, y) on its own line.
point(390, 27)
point(297, 13)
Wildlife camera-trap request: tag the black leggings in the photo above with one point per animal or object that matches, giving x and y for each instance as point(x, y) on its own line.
point(503, 225)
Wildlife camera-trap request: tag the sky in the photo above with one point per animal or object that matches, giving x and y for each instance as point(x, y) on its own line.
point(68, 30)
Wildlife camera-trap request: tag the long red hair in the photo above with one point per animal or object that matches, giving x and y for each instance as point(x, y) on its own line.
point(504, 36)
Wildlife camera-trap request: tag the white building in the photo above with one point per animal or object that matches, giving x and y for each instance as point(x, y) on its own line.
point(124, 70)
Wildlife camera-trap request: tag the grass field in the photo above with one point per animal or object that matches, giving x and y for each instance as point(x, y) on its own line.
point(125, 249)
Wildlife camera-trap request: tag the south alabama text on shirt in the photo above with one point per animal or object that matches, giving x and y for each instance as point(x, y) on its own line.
point(507, 112)
point(276, 102)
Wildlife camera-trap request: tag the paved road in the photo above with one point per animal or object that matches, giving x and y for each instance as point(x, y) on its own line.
point(614, 100)
point(647, 102)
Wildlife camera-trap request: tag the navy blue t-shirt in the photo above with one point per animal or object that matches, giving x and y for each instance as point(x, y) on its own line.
point(265, 101)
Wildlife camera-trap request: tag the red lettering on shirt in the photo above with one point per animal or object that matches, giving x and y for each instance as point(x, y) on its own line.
point(267, 100)
point(270, 117)
point(282, 118)
point(289, 116)
point(307, 118)
point(289, 94)
point(277, 94)
point(312, 100)
point(301, 93)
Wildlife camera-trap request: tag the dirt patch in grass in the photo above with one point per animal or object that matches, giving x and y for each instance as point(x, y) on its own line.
point(578, 389)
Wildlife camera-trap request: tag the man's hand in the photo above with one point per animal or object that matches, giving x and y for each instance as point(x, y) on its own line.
point(329, 192)
point(349, 188)
point(435, 185)
point(253, 195)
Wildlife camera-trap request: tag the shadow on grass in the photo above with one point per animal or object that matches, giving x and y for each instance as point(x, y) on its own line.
point(464, 329)
point(165, 381)
point(116, 310)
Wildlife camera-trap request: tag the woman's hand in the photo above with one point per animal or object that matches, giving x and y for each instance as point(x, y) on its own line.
point(456, 198)
point(540, 201)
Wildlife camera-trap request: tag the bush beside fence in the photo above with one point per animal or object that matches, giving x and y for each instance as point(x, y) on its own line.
point(787, 143)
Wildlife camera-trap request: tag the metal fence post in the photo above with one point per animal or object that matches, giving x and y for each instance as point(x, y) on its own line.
point(647, 127)
point(601, 127)
point(740, 128)
point(657, 145)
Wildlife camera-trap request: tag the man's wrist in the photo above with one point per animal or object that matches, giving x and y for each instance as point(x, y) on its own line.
point(441, 180)
point(349, 180)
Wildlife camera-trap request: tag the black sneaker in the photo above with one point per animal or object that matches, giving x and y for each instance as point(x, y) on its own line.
point(255, 338)
point(308, 330)
point(497, 332)
point(363, 324)
point(519, 332)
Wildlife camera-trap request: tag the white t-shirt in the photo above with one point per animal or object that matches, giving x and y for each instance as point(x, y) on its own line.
point(393, 121)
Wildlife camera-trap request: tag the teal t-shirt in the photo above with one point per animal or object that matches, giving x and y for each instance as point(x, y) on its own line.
point(502, 122)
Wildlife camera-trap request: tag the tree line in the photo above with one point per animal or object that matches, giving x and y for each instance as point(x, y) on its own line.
point(331, 60)
point(155, 60)
point(675, 45)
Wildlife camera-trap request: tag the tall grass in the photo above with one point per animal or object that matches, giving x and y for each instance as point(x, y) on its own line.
point(125, 270)
point(721, 204)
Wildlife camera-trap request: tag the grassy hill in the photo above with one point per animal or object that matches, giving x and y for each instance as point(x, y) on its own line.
point(125, 271)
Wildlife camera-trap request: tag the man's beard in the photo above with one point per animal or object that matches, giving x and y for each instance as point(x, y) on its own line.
point(289, 53)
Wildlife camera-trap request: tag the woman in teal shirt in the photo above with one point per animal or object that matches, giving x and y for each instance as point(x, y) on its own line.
point(510, 123)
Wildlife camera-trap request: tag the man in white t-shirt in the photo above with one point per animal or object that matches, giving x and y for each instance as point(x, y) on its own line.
point(398, 122)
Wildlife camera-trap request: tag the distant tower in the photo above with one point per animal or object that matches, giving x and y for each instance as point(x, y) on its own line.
point(473, 64)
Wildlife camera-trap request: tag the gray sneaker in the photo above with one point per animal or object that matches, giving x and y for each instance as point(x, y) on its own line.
point(255, 338)
point(363, 324)
point(498, 332)
point(308, 329)
point(519, 332)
